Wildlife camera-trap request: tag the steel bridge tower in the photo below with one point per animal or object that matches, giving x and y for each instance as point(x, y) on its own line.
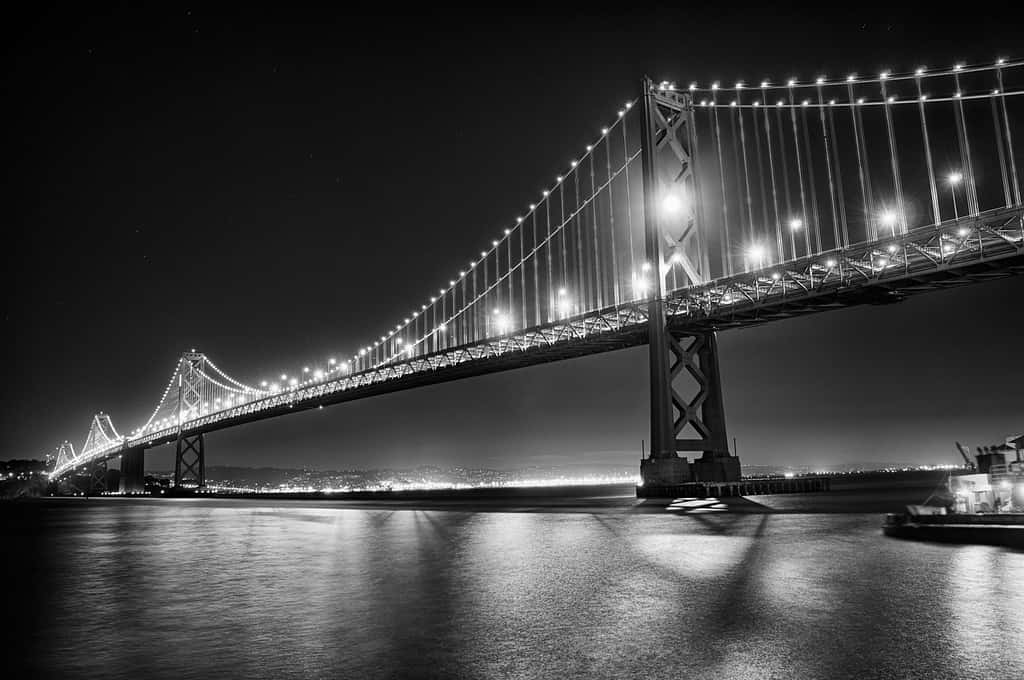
point(687, 413)
point(190, 451)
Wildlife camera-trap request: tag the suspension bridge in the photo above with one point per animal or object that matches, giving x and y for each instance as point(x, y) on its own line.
point(697, 208)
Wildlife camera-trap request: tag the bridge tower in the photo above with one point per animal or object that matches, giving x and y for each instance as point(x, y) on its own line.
point(687, 413)
point(190, 453)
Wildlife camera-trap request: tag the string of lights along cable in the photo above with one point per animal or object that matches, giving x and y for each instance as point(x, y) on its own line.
point(760, 193)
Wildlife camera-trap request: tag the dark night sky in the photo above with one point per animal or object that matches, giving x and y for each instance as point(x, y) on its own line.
point(276, 187)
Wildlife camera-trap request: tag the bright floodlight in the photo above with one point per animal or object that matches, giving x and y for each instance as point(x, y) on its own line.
point(646, 266)
point(955, 178)
point(676, 257)
point(756, 252)
point(672, 204)
point(796, 223)
point(399, 341)
point(562, 291)
point(441, 327)
point(888, 218)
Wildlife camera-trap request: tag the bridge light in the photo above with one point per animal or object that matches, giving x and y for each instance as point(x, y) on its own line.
point(850, 78)
point(820, 80)
point(562, 291)
point(889, 219)
point(284, 377)
point(830, 264)
point(958, 67)
point(676, 257)
point(775, 276)
point(796, 224)
point(646, 266)
point(883, 75)
point(362, 352)
point(756, 252)
point(892, 248)
point(962, 232)
point(764, 83)
point(332, 361)
point(399, 341)
point(441, 327)
point(954, 178)
point(305, 369)
point(263, 383)
point(672, 204)
point(318, 374)
point(919, 72)
point(792, 82)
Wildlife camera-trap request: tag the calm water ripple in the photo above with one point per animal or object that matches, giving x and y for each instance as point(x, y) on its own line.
point(198, 589)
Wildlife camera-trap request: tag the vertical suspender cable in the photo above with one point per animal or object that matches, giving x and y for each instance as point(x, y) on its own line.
point(550, 285)
point(738, 171)
point(771, 173)
point(580, 273)
point(800, 175)
point(865, 178)
point(746, 168)
point(696, 167)
point(1009, 138)
point(840, 197)
point(611, 220)
point(629, 206)
point(785, 177)
point(522, 274)
point(809, 160)
point(999, 145)
point(965, 148)
point(894, 162)
point(760, 166)
point(929, 166)
point(563, 234)
point(536, 272)
point(726, 241)
point(825, 142)
point(598, 287)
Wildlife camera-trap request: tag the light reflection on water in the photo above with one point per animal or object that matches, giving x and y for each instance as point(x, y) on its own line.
point(202, 588)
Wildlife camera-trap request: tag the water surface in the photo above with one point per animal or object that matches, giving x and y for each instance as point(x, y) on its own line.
point(199, 589)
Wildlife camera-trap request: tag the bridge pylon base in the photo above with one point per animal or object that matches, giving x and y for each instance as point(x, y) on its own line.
point(97, 478)
point(190, 462)
point(133, 476)
point(687, 414)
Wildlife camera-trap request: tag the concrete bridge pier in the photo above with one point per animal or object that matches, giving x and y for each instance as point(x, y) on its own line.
point(133, 475)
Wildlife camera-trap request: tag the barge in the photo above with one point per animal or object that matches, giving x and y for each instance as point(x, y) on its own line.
point(984, 504)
